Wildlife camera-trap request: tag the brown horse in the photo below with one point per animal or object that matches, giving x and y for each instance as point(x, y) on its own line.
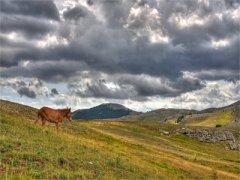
point(53, 115)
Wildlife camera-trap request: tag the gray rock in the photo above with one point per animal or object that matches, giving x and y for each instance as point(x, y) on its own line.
point(214, 136)
point(229, 136)
point(234, 146)
point(164, 132)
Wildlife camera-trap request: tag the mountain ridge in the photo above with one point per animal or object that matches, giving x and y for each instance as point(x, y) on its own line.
point(103, 111)
point(123, 112)
point(171, 114)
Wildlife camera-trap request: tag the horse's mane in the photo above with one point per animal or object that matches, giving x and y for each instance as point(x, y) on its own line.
point(64, 111)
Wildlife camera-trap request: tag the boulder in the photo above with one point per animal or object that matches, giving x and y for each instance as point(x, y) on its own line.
point(233, 145)
point(209, 135)
point(163, 132)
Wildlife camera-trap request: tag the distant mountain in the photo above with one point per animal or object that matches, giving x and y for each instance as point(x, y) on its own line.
point(211, 117)
point(231, 106)
point(164, 114)
point(208, 117)
point(230, 112)
point(103, 111)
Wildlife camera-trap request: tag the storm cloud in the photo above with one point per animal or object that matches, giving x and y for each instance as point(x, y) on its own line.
point(54, 91)
point(24, 91)
point(127, 86)
point(30, 89)
point(46, 9)
point(32, 18)
point(75, 13)
point(138, 49)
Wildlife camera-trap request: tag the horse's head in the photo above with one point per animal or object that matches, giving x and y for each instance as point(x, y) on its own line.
point(68, 114)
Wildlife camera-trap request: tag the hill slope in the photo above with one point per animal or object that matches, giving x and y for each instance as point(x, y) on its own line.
point(10, 108)
point(212, 117)
point(206, 118)
point(103, 111)
point(235, 105)
point(105, 150)
point(164, 114)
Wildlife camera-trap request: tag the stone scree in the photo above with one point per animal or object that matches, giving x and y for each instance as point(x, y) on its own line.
point(213, 136)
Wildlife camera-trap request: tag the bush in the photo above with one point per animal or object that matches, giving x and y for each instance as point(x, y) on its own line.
point(180, 118)
point(218, 125)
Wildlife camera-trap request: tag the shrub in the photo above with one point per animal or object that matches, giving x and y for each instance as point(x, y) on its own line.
point(218, 125)
point(180, 118)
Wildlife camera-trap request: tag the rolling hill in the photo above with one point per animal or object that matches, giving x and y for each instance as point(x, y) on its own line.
point(164, 114)
point(208, 117)
point(220, 116)
point(103, 111)
point(211, 117)
point(119, 149)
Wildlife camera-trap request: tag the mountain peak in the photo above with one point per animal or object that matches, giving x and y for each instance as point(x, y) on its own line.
point(112, 106)
point(103, 111)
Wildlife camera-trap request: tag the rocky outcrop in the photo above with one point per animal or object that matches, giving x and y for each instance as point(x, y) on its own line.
point(233, 145)
point(207, 135)
point(163, 132)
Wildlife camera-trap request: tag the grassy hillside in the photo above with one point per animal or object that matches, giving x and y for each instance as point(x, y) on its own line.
point(212, 117)
point(163, 114)
point(105, 150)
point(206, 118)
point(18, 110)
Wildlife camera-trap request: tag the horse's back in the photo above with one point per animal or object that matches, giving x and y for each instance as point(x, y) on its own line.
point(45, 108)
point(48, 113)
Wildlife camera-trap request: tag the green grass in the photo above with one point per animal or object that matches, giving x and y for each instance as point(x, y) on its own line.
point(219, 118)
point(106, 150)
point(43, 153)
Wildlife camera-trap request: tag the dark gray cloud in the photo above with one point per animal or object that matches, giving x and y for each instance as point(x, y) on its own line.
point(127, 86)
point(24, 91)
point(231, 3)
point(54, 91)
point(218, 75)
point(30, 27)
point(47, 70)
point(215, 94)
point(29, 89)
point(90, 2)
point(26, 87)
point(44, 9)
point(75, 13)
point(158, 40)
point(31, 18)
point(99, 89)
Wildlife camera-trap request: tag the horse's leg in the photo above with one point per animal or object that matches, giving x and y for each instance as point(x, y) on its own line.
point(39, 118)
point(57, 125)
point(43, 121)
point(36, 121)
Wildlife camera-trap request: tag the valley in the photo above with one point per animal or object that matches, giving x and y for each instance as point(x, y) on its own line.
point(125, 148)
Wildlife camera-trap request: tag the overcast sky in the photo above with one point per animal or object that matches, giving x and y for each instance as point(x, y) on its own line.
point(144, 54)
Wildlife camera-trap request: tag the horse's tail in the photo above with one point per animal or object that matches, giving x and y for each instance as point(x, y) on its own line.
point(39, 116)
point(39, 113)
point(42, 114)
